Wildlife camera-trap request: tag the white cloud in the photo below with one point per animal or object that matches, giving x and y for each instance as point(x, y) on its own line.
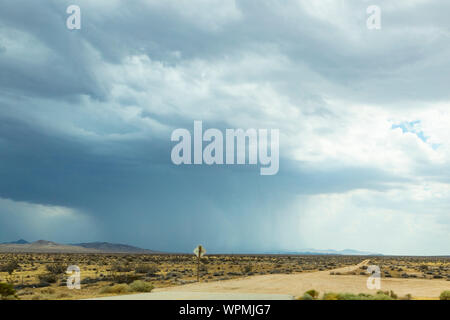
point(337, 92)
point(407, 219)
point(38, 221)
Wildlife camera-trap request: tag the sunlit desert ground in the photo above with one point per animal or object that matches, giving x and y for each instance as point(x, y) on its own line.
point(42, 276)
point(322, 281)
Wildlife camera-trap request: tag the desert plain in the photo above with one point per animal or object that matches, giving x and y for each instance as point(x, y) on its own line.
point(42, 276)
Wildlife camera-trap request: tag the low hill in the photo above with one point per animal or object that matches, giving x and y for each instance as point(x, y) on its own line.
point(44, 246)
point(113, 247)
point(20, 241)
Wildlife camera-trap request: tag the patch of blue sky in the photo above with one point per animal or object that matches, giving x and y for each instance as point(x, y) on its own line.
point(415, 128)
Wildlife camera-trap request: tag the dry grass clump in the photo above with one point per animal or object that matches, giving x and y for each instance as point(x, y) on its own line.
point(116, 289)
point(135, 286)
point(445, 295)
point(380, 295)
point(140, 286)
point(352, 296)
point(56, 268)
point(146, 268)
point(7, 292)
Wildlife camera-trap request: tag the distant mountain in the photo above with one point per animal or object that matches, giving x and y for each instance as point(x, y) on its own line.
point(359, 253)
point(44, 243)
point(345, 252)
point(44, 246)
point(20, 241)
point(113, 247)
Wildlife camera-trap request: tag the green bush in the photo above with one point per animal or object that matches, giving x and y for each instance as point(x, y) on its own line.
point(330, 296)
point(146, 268)
point(118, 288)
point(445, 295)
point(352, 296)
point(247, 269)
point(382, 297)
point(10, 267)
point(387, 293)
point(313, 293)
point(140, 286)
point(125, 278)
point(7, 291)
point(48, 278)
point(306, 296)
point(120, 267)
point(135, 286)
point(56, 268)
point(393, 295)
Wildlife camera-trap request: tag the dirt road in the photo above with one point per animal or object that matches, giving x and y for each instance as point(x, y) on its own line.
point(185, 295)
point(294, 285)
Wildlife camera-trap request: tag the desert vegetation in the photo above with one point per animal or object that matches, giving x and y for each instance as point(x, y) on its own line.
point(43, 276)
point(445, 295)
point(407, 267)
point(380, 295)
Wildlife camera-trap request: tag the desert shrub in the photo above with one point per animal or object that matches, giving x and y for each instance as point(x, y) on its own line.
point(313, 293)
point(56, 268)
point(352, 296)
point(48, 278)
point(25, 292)
point(118, 288)
point(121, 267)
point(423, 267)
point(141, 286)
point(125, 278)
point(247, 269)
point(392, 295)
point(387, 293)
point(445, 295)
point(306, 296)
point(146, 268)
point(48, 291)
point(382, 297)
point(330, 296)
point(406, 297)
point(7, 291)
point(365, 296)
point(10, 267)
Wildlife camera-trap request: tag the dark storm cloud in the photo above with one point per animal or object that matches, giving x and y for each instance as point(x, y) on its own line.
point(76, 133)
point(355, 60)
point(140, 195)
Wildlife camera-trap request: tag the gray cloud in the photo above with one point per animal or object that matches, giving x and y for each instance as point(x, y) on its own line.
point(86, 116)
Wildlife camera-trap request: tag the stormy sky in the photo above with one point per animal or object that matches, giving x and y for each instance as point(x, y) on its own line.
point(86, 118)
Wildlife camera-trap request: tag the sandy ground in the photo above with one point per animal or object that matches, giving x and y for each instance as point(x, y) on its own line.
point(185, 295)
point(294, 285)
